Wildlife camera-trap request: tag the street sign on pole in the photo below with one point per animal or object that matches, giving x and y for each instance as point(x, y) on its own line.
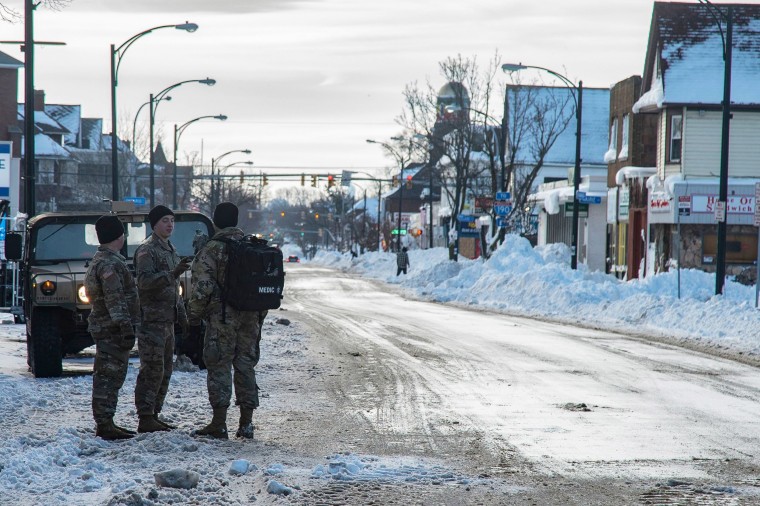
point(139, 201)
point(585, 199)
point(503, 196)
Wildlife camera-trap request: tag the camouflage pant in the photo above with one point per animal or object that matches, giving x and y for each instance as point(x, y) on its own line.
point(109, 372)
point(227, 346)
point(155, 344)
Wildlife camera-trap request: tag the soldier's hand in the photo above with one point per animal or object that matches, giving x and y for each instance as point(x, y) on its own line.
point(181, 267)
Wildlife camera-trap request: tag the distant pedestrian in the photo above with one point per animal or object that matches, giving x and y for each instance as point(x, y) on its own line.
point(231, 343)
point(402, 261)
point(158, 268)
point(115, 311)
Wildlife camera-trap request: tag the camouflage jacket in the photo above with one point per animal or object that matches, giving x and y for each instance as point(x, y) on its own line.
point(209, 267)
point(160, 301)
point(112, 292)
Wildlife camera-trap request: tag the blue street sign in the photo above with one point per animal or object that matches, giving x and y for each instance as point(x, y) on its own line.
point(503, 196)
point(584, 199)
point(466, 218)
point(139, 201)
point(502, 210)
point(501, 222)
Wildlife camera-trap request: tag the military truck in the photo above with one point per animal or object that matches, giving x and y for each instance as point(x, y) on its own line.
point(57, 249)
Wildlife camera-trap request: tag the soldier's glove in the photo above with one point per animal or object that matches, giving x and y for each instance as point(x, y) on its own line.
point(181, 267)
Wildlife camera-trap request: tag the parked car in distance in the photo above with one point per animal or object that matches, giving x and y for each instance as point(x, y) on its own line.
point(293, 259)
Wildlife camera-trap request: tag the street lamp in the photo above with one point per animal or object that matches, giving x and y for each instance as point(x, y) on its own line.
point(117, 53)
point(214, 162)
point(402, 163)
point(137, 115)
point(727, 16)
point(177, 134)
point(379, 193)
point(156, 99)
point(578, 99)
point(224, 169)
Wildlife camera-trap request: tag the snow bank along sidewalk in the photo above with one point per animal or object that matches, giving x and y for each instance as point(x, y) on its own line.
point(538, 282)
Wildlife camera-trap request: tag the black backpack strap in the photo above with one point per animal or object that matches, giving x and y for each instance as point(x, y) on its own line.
point(223, 293)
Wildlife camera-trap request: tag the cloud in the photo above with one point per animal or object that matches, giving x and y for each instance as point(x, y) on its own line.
point(186, 6)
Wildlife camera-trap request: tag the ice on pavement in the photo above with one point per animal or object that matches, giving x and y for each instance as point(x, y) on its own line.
point(538, 282)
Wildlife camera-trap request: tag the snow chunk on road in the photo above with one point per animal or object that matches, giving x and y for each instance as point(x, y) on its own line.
point(177, 478)
point(277, 488)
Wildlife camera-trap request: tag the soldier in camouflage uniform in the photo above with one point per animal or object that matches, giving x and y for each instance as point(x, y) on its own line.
point(232, 336)
point(115, 310)
point(157, 268)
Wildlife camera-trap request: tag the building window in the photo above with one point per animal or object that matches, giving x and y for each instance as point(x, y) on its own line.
point(611, 154)
point(740, 249)
point(676, 131)
point(623, 155)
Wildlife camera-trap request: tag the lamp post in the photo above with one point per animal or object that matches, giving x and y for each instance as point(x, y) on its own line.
point(214, 162)
point(577, 94)
point(117, 53)
point(727, 40)
point(224, 169)
point(402, 164)
point(379, 192)
point(177, 134)
point(133, 176)
point(156, 99)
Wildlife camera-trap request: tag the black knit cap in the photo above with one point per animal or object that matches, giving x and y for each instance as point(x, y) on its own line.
point(157, 213)
point(108, 228)
point(226, 215)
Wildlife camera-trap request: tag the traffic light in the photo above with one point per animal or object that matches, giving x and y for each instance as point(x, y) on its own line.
point(330, 180)
point(282, 213)
point(314, 180)
point(264, 180)
point(394, 181)
point(408, 182)
point(303, 179)
point(316, 216)
point(242, 177)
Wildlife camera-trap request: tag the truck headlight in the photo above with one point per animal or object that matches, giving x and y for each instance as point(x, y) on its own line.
point(82, 294)
point(48, 287)
point(181, 288)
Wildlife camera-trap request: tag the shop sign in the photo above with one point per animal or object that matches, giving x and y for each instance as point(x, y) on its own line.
point(625, 196)
point(659, 202)
point(737, 204)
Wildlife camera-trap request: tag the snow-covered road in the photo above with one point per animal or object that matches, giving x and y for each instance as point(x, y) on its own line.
point(369, 397)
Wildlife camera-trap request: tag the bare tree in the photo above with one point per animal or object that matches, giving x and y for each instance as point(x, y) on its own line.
point(538, 115)
point(12, 15)
point(463, 134)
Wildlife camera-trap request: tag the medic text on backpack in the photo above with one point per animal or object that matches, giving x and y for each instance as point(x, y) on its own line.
point(254, 277)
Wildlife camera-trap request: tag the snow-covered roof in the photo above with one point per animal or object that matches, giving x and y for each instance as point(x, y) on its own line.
point(8, 62)
point(46, 147)
point(92, 130)
point(68, 116)
point(632, 172)
point(686, 50)
point(594, 126)
point(44, 122)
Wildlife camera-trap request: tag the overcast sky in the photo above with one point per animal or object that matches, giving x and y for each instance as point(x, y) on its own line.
point(304, 83)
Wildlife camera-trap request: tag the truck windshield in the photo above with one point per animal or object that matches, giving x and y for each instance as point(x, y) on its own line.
point(79, 241)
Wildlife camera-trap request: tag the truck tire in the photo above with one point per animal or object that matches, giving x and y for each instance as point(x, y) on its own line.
point(44, 344)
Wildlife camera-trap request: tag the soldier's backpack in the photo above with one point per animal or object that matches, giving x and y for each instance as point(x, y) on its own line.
point(254, 275)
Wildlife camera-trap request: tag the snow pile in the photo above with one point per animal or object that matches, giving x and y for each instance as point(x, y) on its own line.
point(538, 282)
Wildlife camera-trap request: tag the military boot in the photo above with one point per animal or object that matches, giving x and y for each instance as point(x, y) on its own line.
point(110, 432)
point(167, 425)
point(245, 430)
point(149, 424)
point(218, 426)
point(123, 429)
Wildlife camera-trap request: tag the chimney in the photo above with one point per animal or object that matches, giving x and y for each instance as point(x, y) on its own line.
point(39, 100)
